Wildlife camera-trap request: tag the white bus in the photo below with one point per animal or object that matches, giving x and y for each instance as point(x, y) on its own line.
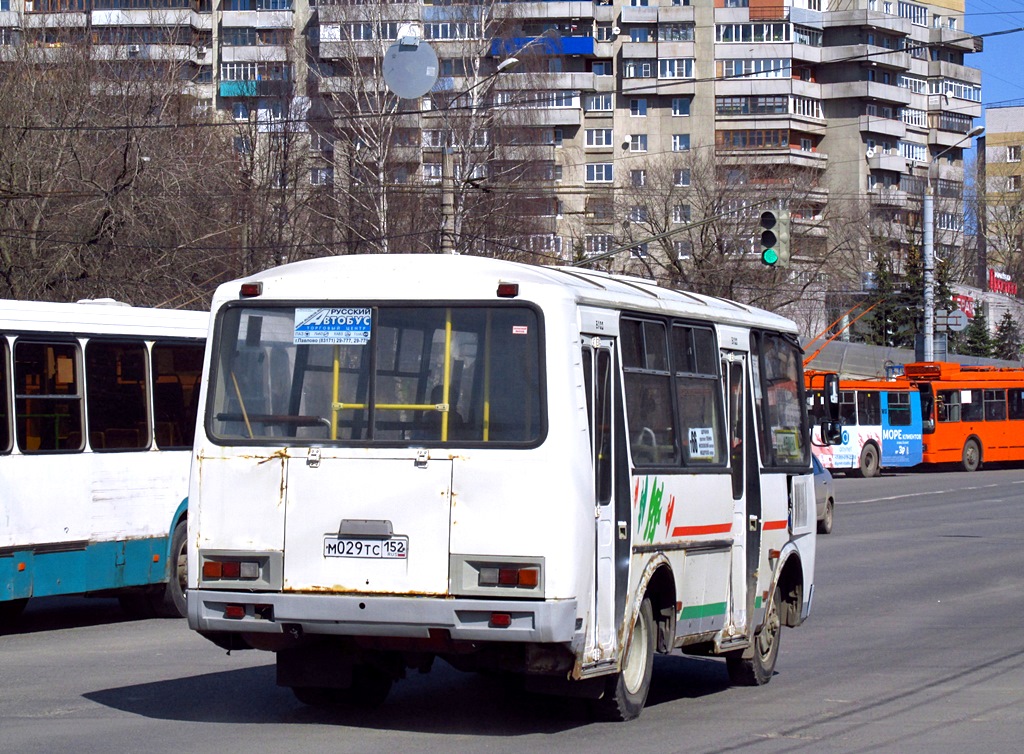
point(97, 416)
point(544, 471)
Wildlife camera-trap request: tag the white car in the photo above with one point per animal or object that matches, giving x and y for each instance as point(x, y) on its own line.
point(824, 496)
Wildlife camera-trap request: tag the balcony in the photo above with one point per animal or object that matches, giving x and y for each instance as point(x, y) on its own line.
point(882, 160)
point(866, 90)
point(527, 10)
point(870, 20)
point(885, 126)
point(252, 53)
point(639, 15)
point(956, 39)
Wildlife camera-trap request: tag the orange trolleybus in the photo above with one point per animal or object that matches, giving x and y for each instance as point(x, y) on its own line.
point(970, 414)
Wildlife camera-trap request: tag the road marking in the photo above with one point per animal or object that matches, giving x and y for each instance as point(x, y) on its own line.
point(920, 494)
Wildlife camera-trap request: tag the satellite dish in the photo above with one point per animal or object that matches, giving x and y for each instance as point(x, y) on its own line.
point(410, 68)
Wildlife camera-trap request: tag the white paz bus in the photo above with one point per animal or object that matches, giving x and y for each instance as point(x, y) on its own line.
point(97, 415)
point(544, 471)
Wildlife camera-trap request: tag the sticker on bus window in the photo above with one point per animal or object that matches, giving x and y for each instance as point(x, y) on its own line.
point(332, 325)
point(520, 330)
point(702, 444)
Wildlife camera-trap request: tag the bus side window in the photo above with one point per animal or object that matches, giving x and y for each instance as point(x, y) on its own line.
point(1016, 400)
point(899, 409)
point(116, 399)
point(869, 407)
point(948, 404)
point(995, 405)
point(848, 408)
point(648, 388)
point(48, 399)
point(5, 409)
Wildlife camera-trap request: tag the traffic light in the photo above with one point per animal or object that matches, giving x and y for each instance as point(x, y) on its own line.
point(775, 238)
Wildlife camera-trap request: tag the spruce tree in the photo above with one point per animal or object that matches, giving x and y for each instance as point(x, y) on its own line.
point(975, 340)
point(1009, 341)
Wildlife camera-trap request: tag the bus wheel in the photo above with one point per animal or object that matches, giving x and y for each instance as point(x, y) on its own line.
point(757, 669)
point(972, 455)
point(173, 602)
point(626, 691)
point(163, 600)
point(869, 461)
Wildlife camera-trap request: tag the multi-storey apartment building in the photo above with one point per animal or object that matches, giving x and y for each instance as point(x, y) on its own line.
point(627, 123)
point(1000, 275)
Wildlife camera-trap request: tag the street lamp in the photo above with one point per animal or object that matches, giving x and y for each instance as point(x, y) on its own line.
point(929, 248)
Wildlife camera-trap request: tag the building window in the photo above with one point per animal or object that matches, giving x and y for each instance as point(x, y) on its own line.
point(602, 68)
point(638, 107)
point(321, 176)
point(675, 33)
point(637, 178)
point(683, 249)
point(598, 103)
point(638, 214)
point(638, 143)
point(639, 34)
point(681, 177)
point(675, 68)
point(598, 244)
point(1013, 153)
point(681, 213)
point(681, 106)
point(599, 172)
point(599, 137)
point(432, 172)
point(680, 142)
point(637, 69)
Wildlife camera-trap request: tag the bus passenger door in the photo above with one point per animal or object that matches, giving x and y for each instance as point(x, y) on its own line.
point(746, 490)
point(599, 380)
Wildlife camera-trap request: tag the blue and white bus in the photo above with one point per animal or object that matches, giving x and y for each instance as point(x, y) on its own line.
point(97, 416)
point(881, 427)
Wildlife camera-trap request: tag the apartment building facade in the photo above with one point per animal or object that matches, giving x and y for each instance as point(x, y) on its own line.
point(642, 118)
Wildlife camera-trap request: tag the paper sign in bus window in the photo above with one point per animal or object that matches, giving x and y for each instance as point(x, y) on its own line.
point(332, 325)
point(702, 443)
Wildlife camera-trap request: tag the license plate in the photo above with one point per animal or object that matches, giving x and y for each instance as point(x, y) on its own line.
point(396, 548)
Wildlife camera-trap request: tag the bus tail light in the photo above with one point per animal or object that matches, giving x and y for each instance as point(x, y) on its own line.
point(510, 576)
point(235, 570)
point(508, 290)
point(500, 620)
point(248, 290)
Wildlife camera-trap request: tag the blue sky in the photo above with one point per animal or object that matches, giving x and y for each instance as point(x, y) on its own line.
point(1002, 62)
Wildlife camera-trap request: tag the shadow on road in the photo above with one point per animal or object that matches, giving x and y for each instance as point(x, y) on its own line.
point(59, 613)
point(443, 701)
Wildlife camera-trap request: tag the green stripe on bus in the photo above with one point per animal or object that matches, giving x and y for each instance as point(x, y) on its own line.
point(702, 611)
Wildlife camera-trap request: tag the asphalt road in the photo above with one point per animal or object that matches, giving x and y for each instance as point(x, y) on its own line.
point(915, 644)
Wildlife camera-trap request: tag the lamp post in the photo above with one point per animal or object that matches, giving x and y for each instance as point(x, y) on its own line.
point(929, 248)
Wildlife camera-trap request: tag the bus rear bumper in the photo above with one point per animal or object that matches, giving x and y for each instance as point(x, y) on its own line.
point(548, 621)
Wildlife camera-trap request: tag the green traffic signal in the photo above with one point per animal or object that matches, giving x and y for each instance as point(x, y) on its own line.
point(769, 257)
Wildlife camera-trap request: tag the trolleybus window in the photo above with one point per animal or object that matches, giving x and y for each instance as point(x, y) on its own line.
point(390, 375)
point(1016, 396)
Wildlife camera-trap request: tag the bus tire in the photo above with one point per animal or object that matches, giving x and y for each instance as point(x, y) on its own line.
point(869, 461)
point(971, 458)
point(163, 600)
point(757, 669)
point(172, 604)
point(626, 691)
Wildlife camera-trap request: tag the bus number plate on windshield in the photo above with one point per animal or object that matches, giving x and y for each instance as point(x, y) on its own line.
point(395, 548)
